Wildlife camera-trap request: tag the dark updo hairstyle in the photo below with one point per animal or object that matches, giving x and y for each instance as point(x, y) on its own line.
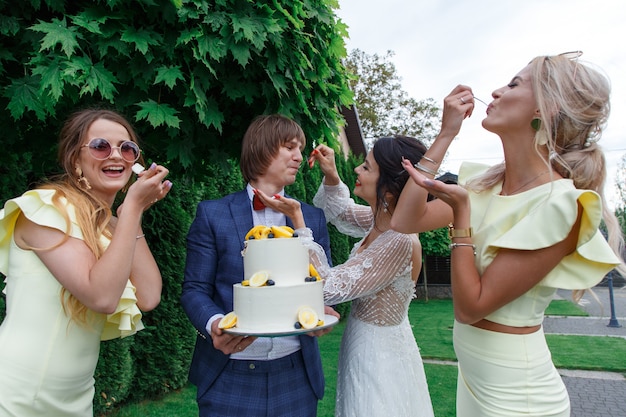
point(388, 153)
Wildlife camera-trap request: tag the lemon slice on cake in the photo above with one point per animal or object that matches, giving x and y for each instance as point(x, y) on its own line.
point(228, 321)
point(307, 317)
point(282, 231)
point(313, 272)
point(258, 279)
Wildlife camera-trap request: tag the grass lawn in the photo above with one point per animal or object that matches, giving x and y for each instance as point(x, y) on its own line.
point(432, 325)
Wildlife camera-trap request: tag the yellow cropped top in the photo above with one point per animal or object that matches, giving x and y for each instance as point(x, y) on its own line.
point(532, 220)
point(37, 206)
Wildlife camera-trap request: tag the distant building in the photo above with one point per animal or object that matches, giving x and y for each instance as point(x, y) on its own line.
point(351, 136)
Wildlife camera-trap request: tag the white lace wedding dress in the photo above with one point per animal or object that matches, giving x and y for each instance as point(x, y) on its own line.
point(380, 370)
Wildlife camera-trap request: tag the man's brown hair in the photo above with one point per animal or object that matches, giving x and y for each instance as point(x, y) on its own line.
point(261, 142)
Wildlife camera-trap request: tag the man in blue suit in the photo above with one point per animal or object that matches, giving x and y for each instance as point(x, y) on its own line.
point(236, 375)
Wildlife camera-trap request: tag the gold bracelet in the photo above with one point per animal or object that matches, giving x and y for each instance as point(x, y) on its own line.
point(140, 236)
point(452, 232)
point(425, 169)
point(469, 245)
point(432, 161)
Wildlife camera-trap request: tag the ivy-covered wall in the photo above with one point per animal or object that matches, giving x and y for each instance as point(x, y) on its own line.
point(190, 74)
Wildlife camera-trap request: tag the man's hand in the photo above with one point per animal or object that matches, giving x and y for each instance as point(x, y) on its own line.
point(228, 343)
point(329, 311)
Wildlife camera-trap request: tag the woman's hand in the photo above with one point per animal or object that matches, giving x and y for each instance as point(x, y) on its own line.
point(453, 195)
point(457, 106)
point(325, 156)
point(149, 188)
point(288, 206)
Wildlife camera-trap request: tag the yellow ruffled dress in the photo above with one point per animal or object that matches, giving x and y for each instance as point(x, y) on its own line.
point(513, 375)
point(47, 361)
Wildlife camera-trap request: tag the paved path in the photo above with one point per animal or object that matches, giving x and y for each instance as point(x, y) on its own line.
point(594, 394)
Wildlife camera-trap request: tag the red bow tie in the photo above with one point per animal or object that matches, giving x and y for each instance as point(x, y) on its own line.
point(257, 204)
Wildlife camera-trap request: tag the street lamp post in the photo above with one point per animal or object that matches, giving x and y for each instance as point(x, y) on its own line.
point(613, 321)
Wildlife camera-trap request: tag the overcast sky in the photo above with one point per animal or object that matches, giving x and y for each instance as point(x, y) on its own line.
point(484, 43)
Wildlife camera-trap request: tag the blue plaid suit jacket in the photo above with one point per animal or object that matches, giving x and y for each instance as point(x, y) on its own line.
point(214, 264)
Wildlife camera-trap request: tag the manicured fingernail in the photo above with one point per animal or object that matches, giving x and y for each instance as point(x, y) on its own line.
point(277, 196)
point(153, 166)
point(429, 183)
point(168, 184)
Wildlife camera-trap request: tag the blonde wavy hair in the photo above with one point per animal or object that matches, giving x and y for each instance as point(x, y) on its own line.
point(576, 96)
point(92, 214)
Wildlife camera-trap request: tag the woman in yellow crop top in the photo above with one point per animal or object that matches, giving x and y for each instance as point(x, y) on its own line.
point(519, 230)
point(75, 273)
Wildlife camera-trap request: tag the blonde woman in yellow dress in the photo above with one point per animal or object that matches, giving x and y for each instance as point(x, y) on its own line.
point(75, 273)
point(519, 230)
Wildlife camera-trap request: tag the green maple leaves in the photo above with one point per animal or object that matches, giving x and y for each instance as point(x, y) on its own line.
point(185, 67)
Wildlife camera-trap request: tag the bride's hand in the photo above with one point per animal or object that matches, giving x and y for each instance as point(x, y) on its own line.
point(325, 156)
point(454, 195)
point(288, 206)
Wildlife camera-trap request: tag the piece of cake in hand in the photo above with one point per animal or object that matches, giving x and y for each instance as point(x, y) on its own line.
point(138, 168)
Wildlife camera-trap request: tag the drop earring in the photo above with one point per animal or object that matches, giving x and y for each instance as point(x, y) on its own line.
point(541, 137)
point(81, 178)
point(385, 206)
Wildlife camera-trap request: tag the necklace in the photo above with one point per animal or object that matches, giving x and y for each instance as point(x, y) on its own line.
point(502, 192)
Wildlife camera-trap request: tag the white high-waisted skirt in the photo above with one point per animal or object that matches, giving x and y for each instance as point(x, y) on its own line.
point(504, 374)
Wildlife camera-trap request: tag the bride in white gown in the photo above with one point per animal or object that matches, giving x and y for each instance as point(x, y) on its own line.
point(380, 368)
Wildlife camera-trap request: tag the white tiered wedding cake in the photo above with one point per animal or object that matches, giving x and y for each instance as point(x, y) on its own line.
point(281, 291)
